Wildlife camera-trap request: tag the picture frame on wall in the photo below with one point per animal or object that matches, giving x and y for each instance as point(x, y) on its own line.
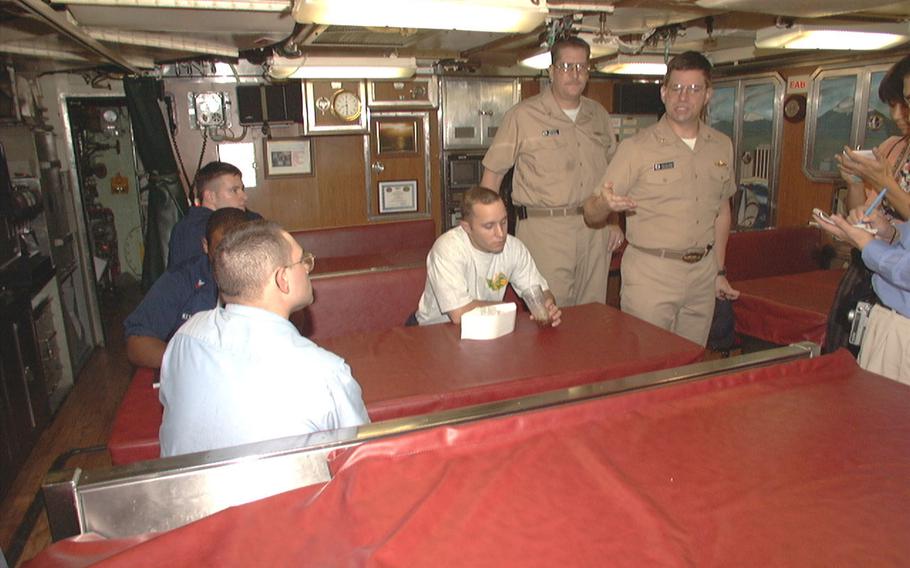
point(288, 157)
point(397, 136)
point(397, 196)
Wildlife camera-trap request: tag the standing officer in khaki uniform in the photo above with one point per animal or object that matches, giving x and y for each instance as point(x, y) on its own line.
point(677, 176)
point(560, 143)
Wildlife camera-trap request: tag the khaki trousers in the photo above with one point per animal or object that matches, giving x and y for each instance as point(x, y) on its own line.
point(886, 346)
point(669, 293)
point(571, 256)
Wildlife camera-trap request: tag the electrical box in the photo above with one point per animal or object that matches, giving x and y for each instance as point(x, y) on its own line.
point(208, 109)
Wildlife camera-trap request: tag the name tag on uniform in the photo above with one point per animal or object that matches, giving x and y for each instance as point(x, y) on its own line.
point(552, 132)
point(664, 166)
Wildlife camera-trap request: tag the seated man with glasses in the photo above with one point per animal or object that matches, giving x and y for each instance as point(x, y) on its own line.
point(559, 143)
point(678, 177)
point(176, 295)
point(243, 373)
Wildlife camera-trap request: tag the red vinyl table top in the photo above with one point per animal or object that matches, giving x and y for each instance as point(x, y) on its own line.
point(412, 370)
point(408, 371)
point(786, 309)
point(801, 464)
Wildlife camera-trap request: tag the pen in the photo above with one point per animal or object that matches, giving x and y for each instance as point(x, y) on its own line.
point(876, 202)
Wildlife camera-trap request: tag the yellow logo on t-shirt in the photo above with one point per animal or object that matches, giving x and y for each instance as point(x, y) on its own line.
point(498, 282)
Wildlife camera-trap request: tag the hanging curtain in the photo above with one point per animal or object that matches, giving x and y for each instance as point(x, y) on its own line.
point(167, 202)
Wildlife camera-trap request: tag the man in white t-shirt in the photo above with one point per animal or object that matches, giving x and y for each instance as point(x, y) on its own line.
point(471, 265)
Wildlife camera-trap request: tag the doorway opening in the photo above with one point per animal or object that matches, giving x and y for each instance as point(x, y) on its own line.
point(114, 204)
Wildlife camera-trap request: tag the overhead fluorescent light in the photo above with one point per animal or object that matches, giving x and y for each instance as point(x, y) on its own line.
point(635, 65)
point(539, 61)
point(317, 67)
point(862, 38)
point(229, 5)
point(599, 48)
point(515, 16)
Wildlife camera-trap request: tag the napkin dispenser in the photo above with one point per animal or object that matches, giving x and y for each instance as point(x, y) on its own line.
point(488, 322)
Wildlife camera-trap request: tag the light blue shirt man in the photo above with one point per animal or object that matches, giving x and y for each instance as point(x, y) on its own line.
point(891, 265)
point(243, 373)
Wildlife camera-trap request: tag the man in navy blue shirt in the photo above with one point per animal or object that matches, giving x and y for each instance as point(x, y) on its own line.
point(218, 185)
point(176, 295)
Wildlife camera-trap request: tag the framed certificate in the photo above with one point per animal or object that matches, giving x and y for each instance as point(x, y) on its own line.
point(397, 196)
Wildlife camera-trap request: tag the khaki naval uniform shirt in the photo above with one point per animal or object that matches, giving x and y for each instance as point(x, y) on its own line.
point(679, 192)
point(558, 163)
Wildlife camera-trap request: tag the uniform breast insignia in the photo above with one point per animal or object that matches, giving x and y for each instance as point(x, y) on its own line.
point(498, 282)
point(720, 163)
point(551, 132)
point(664, 166)
point(199, 283)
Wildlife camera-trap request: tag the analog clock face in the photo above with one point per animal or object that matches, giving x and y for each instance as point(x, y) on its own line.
point(346, 105)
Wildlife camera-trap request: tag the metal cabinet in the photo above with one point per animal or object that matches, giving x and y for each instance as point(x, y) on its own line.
point(22, 394)
point(473, 108)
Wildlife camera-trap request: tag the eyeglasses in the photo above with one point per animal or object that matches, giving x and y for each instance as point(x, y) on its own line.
point(568, 67)
point(308, 260)
point(693, 89)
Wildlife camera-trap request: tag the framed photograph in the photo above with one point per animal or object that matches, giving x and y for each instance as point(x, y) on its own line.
point(397, 196)
point(291, 157)
point(397, 136)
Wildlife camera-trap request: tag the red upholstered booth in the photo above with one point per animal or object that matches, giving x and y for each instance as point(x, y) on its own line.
point(785, 294)
point(773, 252)
point(368, 246)
point(360, 302)
point(801, 464)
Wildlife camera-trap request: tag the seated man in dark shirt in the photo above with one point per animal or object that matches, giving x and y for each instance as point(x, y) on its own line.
point(176, 295)
point(218, 185)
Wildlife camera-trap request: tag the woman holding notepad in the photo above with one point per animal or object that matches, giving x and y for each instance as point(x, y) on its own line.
point(866, 173)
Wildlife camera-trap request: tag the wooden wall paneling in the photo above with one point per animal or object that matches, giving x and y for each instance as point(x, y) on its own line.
point(797, 194)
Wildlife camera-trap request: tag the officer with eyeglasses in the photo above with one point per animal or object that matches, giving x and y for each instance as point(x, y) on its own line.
point(559, 143)
point(242, 373)
point(675, 179)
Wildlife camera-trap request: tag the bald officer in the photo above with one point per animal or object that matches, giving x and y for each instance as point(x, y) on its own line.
point(560, 143)
point(676, 179)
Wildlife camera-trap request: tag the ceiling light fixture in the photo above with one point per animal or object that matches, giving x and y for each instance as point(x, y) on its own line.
point(600, 47)
point(318, 67)
point(229, 5)
point(512, 16)
point(635, 65)
point(866, 37)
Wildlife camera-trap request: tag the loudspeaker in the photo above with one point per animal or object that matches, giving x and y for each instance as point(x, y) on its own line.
point(270, 103)
point(249, 104)
point(637, 98)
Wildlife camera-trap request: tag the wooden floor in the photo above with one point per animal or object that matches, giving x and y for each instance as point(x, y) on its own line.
point(83, 420)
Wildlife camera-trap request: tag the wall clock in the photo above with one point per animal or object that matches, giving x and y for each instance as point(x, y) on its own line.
point(795, 108)
point(335, 106)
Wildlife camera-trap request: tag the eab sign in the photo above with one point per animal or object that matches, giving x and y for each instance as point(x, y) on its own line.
point(798, 84)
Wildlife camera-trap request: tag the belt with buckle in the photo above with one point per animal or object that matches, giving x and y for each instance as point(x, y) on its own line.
point(690, 256)
point(524, 211)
